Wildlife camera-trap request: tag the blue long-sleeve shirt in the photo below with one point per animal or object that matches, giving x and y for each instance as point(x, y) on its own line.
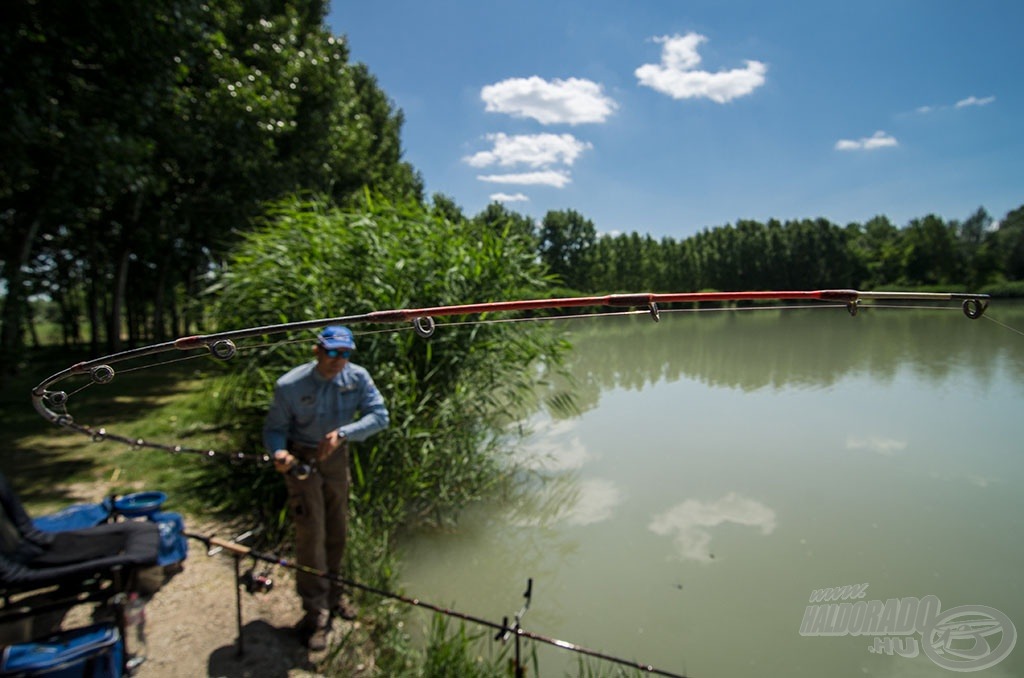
point(307, 405)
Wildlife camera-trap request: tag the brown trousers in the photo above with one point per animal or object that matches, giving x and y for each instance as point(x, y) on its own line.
point(319, 509)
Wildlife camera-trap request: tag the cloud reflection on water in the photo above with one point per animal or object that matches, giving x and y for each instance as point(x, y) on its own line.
point(554, 447)
point(557, 452)
point(597, 499)
point(571, 501)
point(687, 523)
point(883, 446)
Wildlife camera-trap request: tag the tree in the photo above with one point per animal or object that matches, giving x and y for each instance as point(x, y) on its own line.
point(976, 252)
point(566, 243)
point(929, 252)
point(79, 85)
point(877, 248)
point(510, 224)
point(142, 138)
point(446, 208)
point(1009, 239)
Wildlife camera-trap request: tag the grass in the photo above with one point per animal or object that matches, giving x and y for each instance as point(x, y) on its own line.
point(51, 466)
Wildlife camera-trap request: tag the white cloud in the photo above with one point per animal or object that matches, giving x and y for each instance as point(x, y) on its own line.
point(677, 76)
point(963, 103)
point(974, 101)
point(506, 197)
point(556, 178)
point(877, 140)
point(535, 150)
point(573, 101)
point(689, 521)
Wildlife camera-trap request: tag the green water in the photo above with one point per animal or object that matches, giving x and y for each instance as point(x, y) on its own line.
point(725, 465)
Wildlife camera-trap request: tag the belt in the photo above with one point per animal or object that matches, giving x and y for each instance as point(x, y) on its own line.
point(304, 451)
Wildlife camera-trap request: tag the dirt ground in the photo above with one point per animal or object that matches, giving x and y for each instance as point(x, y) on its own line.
point(192, 625)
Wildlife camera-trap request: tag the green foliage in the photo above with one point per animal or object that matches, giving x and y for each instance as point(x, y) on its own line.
point(799, 254)
point(143, 137)
point(460, 653)
point(1009, 245)
point(508, 223)
point(451, 397)
point(566, 244)
point(1014, 289)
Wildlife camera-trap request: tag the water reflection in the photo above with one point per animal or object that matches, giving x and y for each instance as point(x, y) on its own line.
point(553, 447)
point(801, 348)
point(596, 500)
point(883, 446)
point(556, 451)
point(689, 523)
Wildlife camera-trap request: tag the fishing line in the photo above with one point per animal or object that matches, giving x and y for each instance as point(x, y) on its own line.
point(161, 363)
point(540, 319)
point(1002, 324)
point(911, 307)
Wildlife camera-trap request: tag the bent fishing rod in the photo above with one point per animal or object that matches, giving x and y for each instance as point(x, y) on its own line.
point(503, 629)
point(52, 404)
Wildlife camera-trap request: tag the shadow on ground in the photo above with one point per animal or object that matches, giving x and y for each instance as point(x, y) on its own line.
point(268, 652)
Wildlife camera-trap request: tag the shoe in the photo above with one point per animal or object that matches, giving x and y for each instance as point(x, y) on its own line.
point(312, 629)
point(344, 609)
point(317, 641)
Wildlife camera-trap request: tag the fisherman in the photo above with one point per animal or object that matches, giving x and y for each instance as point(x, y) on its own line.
point(318, 407)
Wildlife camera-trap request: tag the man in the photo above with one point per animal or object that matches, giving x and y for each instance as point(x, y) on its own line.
point(310, 422)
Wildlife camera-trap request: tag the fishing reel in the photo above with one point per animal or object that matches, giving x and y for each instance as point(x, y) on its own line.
point(257, 583)
point(300, 471)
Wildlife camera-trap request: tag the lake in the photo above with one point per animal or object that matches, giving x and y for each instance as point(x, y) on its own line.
point(727, 467)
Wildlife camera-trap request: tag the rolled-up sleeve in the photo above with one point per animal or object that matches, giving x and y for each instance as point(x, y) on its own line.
point(373, 412)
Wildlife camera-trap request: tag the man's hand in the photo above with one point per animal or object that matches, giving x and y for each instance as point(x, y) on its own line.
point(328, 444)
point(283, 461)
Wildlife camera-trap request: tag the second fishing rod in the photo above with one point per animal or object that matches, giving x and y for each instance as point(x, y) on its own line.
point(503, 629)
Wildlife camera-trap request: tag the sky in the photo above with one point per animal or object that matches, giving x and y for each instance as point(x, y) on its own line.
point(666, 117)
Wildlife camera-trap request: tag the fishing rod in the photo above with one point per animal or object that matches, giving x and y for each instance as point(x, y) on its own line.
point(503, 629)
point(52, 404)
point(221, 344)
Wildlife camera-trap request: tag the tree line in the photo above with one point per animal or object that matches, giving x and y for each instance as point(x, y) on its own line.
point(974, 253)
point(142, 140)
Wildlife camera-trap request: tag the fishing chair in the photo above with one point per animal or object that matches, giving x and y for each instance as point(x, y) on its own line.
point(45, 574)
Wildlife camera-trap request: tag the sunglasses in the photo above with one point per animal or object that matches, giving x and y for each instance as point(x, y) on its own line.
point(336, 353)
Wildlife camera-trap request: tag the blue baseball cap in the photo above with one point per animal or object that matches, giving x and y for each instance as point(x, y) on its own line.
point(336, 336)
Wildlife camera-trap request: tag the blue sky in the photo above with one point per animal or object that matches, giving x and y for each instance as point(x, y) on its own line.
point(667, 117)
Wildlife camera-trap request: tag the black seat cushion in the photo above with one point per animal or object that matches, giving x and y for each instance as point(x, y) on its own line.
point(30, 557)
